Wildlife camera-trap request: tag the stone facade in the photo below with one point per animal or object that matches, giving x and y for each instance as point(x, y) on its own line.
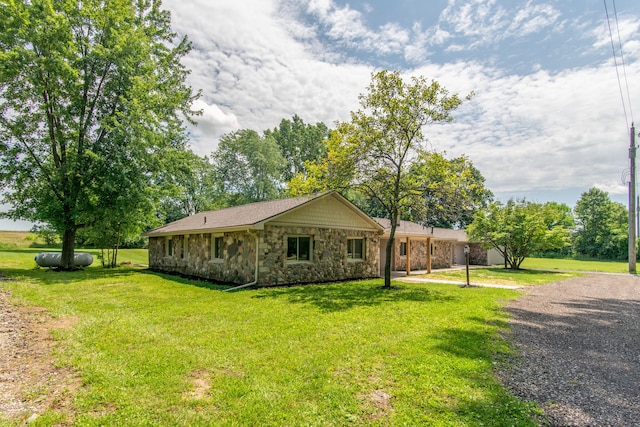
point(328, 261)
point(478, 255)
point(440, 257)
point(442, 252)
point(236, 265)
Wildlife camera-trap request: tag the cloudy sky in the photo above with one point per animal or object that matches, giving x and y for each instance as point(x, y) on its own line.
point(547, 121)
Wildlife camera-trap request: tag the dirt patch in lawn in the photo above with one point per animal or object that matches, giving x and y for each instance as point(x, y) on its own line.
point(30, 382)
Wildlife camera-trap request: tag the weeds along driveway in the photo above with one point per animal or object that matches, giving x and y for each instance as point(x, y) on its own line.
point(578, 347)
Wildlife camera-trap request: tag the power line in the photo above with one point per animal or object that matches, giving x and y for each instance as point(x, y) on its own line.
point(624, 68)
point(615, 60)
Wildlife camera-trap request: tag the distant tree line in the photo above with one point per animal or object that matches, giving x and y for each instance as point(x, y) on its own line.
point(597, 227)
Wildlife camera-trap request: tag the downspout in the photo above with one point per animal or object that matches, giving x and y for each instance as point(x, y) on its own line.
point(255, 279)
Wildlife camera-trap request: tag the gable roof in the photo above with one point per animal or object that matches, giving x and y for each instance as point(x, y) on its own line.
point(412, 229)
point(252, 215)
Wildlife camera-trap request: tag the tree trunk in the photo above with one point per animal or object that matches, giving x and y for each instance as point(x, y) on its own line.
point(67, 261)
point(387, 264)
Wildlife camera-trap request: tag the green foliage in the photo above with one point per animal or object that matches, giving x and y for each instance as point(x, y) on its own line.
point(602, 226)
point(453, 190)
point(374, 152)
point(86, 87)
point(299, 143)
point(47, 233)
point(160, 350)
point(248, 167)
point(189, 186)
point(518, 228)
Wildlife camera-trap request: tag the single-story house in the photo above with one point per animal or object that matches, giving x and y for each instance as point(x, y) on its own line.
point(417, 247)
point(319, 238)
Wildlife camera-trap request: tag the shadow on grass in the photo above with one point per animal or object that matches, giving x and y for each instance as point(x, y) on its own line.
point(46, 276)
point(93, 252)
point(596, 337)
point(193, 281)
point(343, 296)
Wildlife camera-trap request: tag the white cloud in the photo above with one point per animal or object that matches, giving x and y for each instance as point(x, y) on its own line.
point(347, 26)
point(543, 130)
point(212, 124)
point(486, 22)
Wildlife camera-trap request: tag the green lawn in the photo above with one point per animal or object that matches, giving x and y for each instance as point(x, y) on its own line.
point(576, 265)
point(501, 276)
point(160, 350)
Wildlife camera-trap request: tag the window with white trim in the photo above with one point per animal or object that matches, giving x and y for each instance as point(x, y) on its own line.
point(403, 248)
point(217, 247)
point(355, 248)
point(168, 246)
point(185, 246)
point(299, 248)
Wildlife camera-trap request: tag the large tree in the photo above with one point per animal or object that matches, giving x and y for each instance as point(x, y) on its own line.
point(373, 153)
point(453, 190)
point(602, 226)
point(518, 227)
point(299, 143)
point(189, 187)
point(248, 167)
point(80, 82)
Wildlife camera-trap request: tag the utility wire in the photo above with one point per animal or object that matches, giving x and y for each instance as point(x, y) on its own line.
point(624, 68)
point(615, 60)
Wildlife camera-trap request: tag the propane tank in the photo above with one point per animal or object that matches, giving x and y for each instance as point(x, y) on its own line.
point(53, 259)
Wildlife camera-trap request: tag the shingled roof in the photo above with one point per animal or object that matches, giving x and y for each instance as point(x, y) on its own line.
point(408, 228)
point(252, 215)
point(235, 217)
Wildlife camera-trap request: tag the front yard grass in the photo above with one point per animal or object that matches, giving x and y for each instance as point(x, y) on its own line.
point(576, 265)
point(500, 276)
point(154, 349)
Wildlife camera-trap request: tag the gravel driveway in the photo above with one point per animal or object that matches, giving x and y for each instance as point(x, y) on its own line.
point(579, 345)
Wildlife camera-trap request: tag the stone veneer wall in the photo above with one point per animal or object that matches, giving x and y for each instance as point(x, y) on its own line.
point(478, 255)
point(442, 253)
point(418, 255)
point(441, 257)
point(329, 256)
point(329, 260)
point(237, 265)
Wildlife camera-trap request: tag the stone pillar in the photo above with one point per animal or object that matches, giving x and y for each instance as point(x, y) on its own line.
point(408, 256)
point(428, 255)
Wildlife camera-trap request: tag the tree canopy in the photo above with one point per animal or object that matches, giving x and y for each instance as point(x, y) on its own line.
point(81, 84)
point(518, 228)
point(373, 152)
point(602, 226)
point(299, 143)
point(248, 167)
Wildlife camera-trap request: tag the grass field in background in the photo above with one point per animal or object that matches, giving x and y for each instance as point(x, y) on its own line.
point(153, 349)
point(501, 276)
point(576, 265)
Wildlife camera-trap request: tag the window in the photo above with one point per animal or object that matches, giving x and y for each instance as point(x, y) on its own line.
point(355, 248)
point(403, 248)
point(169, 246)
point(217, 246)
point(185, 246)
point(299, 248)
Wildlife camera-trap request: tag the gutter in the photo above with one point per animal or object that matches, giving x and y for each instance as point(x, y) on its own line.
point(255, 280)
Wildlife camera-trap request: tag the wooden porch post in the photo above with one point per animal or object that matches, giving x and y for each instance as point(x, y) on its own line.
point(428, 255)
point(408, 256)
